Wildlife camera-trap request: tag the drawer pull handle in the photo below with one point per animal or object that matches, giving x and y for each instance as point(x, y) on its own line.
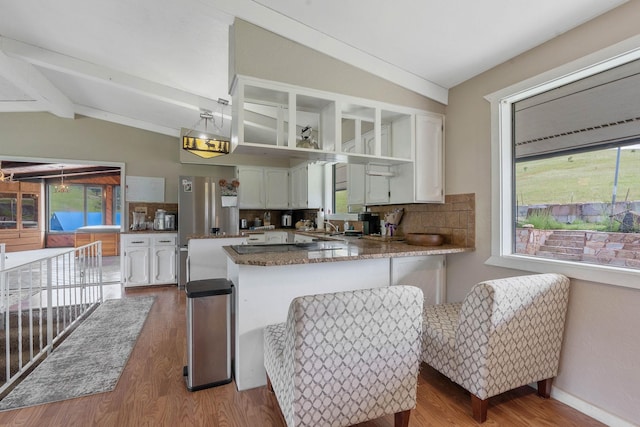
point(137, 241)
point(165, 241)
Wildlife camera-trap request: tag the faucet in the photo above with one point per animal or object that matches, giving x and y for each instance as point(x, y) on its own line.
point(329, 223)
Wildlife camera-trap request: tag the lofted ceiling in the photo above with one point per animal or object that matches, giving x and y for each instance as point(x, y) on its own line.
point(156, 64)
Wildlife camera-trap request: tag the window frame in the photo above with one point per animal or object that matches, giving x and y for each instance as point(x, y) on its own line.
point(502, 167)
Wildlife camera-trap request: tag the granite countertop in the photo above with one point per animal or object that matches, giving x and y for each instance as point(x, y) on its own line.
point(354, 248)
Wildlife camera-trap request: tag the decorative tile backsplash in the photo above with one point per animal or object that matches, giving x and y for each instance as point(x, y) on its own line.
point(455, 219)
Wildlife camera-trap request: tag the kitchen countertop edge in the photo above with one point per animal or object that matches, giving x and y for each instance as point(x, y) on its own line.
point(373, 250)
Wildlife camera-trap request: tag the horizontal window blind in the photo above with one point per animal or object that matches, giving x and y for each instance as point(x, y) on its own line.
point(598, 111)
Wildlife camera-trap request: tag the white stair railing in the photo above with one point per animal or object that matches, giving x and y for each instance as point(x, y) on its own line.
point(41, 301)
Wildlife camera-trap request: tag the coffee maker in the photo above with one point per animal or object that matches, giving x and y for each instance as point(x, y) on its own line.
point(370, 223)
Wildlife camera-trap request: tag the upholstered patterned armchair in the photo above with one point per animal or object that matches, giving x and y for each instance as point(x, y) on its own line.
point(505, 334)
point(348, 357)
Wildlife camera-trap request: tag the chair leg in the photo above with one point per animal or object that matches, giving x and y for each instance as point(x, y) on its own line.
point(402, 418)
point(544, 388)
point(479, 408)
point(269, 385)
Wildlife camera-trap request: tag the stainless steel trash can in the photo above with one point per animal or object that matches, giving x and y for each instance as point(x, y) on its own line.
point(209, 331)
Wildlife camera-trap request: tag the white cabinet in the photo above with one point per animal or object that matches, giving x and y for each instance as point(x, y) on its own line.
point(256, 238)
point(276, 181)
point(377, 186)
point(429, 158)
point(301, 238)
point(275, 237)
point(149, 259)
point(268, 237)
point(293, 121)
point(163, 263)
point(263, 188)
point(135, 260)
point(306, 186)
point(251, 191)
point(425, 272)
point(355, 184)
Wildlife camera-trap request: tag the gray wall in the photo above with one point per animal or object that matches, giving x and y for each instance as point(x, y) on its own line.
point(600, 361)
point(263, 54)
point(42, 135)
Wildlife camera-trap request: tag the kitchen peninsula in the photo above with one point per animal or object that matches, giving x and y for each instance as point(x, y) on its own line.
point(266, 282)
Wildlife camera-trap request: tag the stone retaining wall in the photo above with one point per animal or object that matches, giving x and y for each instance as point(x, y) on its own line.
point(587, 212)
point(615, 249)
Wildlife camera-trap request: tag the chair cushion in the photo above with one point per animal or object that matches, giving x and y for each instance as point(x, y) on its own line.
point(439, 337)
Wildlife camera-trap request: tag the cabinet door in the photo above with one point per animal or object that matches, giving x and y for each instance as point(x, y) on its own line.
point(275, 237)
point(429, 159)
point(137, 266)
point(315, 186)
point(355, 184)
point(164, 264)
point(298, 185)
point(277, 188)
point(377, 187)
point(251, 190)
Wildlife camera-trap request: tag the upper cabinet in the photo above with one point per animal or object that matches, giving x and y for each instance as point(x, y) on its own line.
point(429, 158)
point(263, 188)
point(395, 153)
point(316, 125)
point(306, 186)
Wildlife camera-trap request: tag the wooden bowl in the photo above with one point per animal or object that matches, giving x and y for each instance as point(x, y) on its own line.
point(424, 239)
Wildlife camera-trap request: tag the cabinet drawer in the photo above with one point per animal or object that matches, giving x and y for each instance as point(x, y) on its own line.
point(256, 238)
point(164, 240)
point(136, 241)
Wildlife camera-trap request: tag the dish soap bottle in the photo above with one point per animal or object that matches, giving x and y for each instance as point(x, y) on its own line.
point(320, 219)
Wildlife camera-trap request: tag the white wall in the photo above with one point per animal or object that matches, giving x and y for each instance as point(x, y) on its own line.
point(600, 363)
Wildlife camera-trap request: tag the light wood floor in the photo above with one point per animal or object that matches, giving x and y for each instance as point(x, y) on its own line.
point(151, 392)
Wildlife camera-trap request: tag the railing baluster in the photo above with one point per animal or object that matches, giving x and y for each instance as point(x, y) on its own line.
point(65, 284)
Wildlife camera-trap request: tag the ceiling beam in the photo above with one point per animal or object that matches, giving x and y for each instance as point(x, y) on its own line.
point(72, 66)
point(127, 121)
point(31, 81)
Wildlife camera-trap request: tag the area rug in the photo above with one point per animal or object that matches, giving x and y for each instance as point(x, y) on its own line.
point(90, 360)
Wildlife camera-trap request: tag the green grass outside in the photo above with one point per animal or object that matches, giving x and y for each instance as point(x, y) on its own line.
point(579, 178)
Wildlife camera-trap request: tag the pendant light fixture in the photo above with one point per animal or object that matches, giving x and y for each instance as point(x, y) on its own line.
point(62, 187)
point(206, 145)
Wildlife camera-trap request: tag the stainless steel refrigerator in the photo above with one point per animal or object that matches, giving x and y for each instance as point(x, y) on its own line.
point(200, 210)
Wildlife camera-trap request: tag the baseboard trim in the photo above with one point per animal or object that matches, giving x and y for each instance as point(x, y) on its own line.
point(588, 409)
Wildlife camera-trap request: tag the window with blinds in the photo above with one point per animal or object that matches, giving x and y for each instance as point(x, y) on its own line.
point(576, 170)
point(600, 111)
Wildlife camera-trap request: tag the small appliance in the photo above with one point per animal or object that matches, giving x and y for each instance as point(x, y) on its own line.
point(159, 220)
point(169, 222)
point(286, 220)
point(370, 223)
